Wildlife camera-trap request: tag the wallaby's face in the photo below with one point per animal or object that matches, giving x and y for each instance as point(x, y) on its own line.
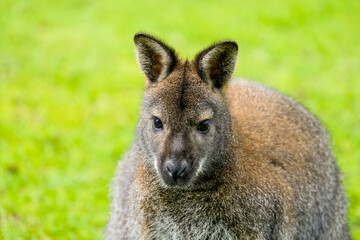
point(184, 123)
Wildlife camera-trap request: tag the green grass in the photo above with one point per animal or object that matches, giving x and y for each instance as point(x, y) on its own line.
point(70, 91)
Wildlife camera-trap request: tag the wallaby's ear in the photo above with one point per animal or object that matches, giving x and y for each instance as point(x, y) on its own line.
point(216, 64)
point(156, 59)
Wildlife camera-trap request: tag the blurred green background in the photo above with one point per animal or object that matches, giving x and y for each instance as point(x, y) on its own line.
point(70, 91)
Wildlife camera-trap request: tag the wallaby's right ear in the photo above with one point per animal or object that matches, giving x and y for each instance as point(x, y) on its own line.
point(156, 59)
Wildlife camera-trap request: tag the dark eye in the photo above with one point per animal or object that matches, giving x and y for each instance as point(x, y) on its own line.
point(204, 126)
point(157, 124)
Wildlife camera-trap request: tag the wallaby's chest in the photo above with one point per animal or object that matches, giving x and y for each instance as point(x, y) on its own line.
point(216, 215)
point(168, 229)
point(183, 217)
point(189, 224)
point(195, 217)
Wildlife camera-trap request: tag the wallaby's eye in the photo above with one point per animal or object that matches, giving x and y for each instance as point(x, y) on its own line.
point(204, 126)
point(157, 124)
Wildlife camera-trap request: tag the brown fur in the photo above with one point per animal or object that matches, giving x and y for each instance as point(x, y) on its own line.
point(264, 170)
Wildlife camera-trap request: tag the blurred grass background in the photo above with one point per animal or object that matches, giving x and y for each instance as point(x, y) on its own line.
point(70, 91)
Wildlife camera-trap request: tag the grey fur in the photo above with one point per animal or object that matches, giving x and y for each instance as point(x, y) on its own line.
point(265, 169)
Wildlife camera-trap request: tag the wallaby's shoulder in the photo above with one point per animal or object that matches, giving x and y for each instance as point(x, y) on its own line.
point(124, 192)
point(274, 127)
point(252, 101)
point(243, 92)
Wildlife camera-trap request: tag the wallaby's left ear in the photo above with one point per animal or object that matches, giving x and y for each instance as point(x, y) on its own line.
point(156, 59)
point(216, 64)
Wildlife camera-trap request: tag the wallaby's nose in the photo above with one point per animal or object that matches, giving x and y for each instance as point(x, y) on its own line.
point(176, 169)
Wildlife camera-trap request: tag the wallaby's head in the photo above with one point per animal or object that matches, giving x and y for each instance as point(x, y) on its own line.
point(184, 123)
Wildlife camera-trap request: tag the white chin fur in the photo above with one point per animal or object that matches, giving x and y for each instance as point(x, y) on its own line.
point(201, 166)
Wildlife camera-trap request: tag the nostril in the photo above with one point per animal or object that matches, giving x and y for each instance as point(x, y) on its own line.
point(175, 169)
point(171, 168)
point(169, 171)
point(182, 169)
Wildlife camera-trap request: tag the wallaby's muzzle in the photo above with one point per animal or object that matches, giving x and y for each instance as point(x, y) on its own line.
point(175, 172)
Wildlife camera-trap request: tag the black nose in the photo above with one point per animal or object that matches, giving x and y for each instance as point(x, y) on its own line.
point(176, 169)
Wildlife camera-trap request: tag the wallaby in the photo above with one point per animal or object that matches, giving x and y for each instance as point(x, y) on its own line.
point(220, 159)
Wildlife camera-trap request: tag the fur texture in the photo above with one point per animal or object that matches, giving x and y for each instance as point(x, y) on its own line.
point(258, 164)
